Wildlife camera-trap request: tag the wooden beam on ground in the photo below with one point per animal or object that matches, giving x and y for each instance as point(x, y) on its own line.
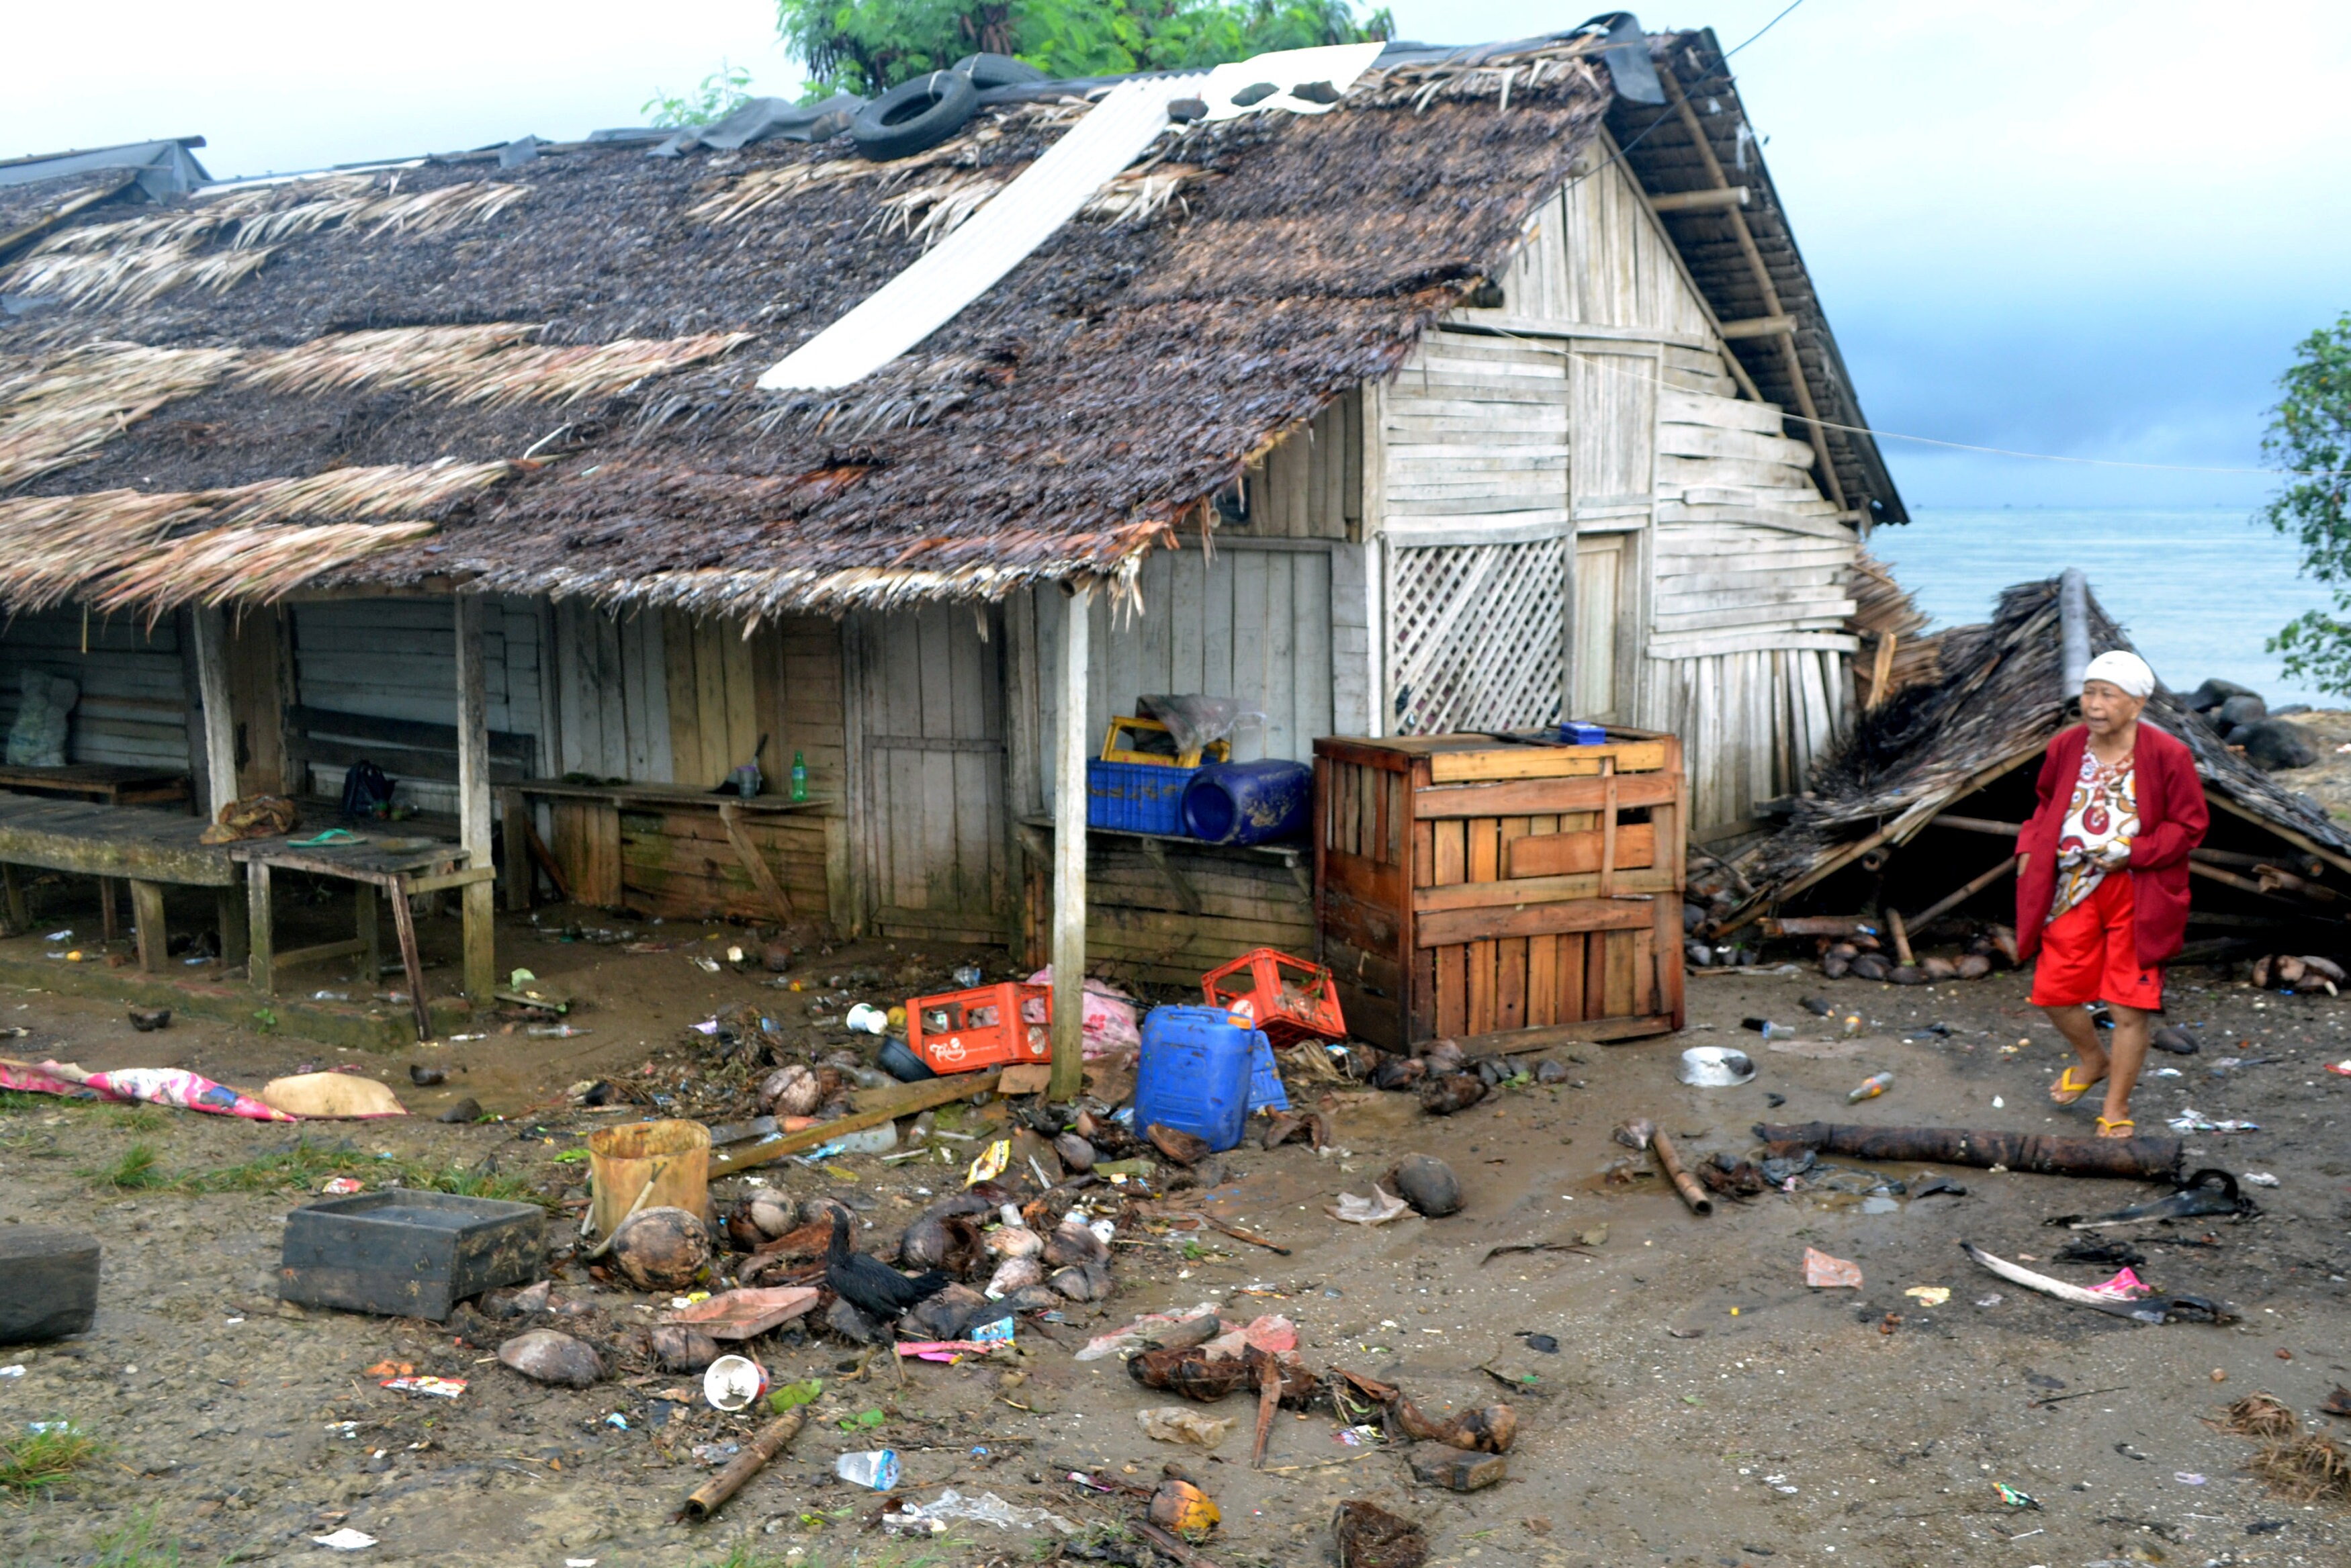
point(1070, 753)
point(480, 897)
point(882, 1105)
point(1702, 200)
point(219, 723)
point(763, 876)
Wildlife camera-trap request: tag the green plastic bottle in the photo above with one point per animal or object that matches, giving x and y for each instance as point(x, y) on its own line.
point(800, 776)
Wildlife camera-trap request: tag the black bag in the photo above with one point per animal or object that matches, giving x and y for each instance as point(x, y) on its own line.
point(366, 791)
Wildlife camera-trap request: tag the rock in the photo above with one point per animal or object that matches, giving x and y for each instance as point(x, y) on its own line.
point(2213, 693)
point(1369, 1536)
point(661, 1249)
point(1443, 1055)
point(1871, 966)
point(792, 1090)
point(1454, 1091)
point(467, 1110)
point(1435, 1464)
point(2172, 1038)
point(2243, 708)
point(680, 1348)
point(1550, 1072)
point(1818, 1006)
point(1490, 1072)
point(1077, 1154)
point(1908, 974)
point(1975, 966)
point(776, 957)
point(146, 1020)
point(2273, 743)
point(2290, 709)
point(1428, 1184)
point(546, 1356)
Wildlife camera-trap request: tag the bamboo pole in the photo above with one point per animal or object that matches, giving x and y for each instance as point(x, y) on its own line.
point(1070, 752)
point(1692, 1193)
point(1934, 911)
point(711, 1495)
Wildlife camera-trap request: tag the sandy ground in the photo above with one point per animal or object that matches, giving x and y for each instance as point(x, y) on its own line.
point(1704, 1406)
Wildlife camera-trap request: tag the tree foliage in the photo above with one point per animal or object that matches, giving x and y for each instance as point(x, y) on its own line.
point(2310, 434)
point(867, 46)
point(722, 92)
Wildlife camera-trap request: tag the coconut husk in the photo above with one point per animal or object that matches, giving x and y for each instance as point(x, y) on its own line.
point(661, 1248)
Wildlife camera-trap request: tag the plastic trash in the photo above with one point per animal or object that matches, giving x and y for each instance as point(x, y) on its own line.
point(1173, 1424)
point(732, 1381)
point(1716, 1068)
point(1824, 1273)
point(932, 1518)
point(967, 977)
point(867, 1018)
point(873, 1140)
point(1768, 1030)
point(1870, 1087)
point(346, 1540)
point(555, 1032)
point(875, 1467)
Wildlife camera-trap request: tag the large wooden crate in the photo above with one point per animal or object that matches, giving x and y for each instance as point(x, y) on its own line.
point(1468, 887)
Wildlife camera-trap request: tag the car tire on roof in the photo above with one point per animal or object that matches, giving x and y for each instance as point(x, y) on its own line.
point(998, 70)
point(914, 116)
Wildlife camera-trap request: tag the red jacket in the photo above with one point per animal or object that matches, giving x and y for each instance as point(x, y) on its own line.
point(2172, 819)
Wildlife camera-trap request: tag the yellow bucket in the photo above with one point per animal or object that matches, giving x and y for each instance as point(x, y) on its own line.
point(672, 1156)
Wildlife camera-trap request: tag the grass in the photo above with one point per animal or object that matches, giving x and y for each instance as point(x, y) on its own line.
point(138, 1545)
point(138, 1118)
point(38, 1460)
point(930, 1553)
point(303, 1167)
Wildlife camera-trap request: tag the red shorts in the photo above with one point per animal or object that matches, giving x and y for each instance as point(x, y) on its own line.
point(2090, 953)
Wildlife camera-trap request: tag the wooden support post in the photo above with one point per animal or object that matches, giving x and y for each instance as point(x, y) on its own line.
point(20, 917)
point(371, 933)
point(516, 878)
point(1070, 751)
point(480, 898)
point(147, 911)
point(262, 966)
point(220, 725)
point(109, 903)
point(235, 923)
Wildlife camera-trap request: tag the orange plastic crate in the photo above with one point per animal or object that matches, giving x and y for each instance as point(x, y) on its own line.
point(1288, 998)
point(991, 1026)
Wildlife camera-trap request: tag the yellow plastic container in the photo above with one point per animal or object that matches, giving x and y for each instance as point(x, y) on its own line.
point(673, 1155)
point(1113, 752)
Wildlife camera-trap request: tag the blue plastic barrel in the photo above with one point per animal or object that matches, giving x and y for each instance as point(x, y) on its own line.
point(1195, 1076)
point(1249, 802)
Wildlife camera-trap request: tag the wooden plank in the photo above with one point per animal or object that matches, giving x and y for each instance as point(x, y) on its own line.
point(762, 876)
point(1527, 797)
point(1446, 928)
point(1544, 762)
point(1575, 854)
point(1570, 976)
point(1484, 837)
point(682, 691)
point(1071, 753)
point(261, 969)
point(1592, 1031)
point(1512, 892)
point(479, 900)
point(147, 913)
point(219, 770)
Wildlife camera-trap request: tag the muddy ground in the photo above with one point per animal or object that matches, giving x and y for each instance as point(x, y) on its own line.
point(1703, 1406)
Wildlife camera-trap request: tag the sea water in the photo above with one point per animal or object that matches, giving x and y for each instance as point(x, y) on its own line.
point(2199, 592)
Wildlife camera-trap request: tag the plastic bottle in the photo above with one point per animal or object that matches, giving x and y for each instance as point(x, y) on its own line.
point(554, 1032)
point(1871, 1087)
point(873, 1140)
point(876, 1468)
point(800, 776)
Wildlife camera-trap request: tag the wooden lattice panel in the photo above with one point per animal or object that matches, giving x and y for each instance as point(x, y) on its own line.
point(1479, 635)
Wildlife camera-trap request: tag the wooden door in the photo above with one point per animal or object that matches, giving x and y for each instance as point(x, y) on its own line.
point(1599, 608)
point(930, 695)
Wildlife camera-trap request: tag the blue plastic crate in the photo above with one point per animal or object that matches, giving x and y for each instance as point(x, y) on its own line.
point(1580, 732)
point(1136, 797)
point(1266, 1093)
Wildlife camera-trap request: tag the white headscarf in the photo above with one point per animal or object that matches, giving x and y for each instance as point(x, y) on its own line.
point(2124, 669)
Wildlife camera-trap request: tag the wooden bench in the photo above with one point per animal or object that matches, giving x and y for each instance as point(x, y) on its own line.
point(148, 848)
point(103, 783)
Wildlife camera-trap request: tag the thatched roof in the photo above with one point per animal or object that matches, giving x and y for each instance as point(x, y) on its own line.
point(1998, 697)
point(539, 379)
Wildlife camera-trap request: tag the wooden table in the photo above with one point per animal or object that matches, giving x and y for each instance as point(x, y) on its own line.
point(99, 782)
point(146, 848)
point(587, 825)
point(400, 865)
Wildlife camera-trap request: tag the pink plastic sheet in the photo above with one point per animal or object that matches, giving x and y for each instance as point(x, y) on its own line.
point(175, 1087)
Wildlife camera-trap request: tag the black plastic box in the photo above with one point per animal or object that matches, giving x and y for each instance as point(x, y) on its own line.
point(407, 1254)
point(48, 1284)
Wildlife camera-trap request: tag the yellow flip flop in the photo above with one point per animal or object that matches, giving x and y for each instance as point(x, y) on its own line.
point(2070, 1090)
point(2107, 1128)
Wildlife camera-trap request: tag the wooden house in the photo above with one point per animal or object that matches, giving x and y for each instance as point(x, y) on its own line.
point(1489, 397)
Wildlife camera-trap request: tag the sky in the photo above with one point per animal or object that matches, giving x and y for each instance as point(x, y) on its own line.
point(2096, 236)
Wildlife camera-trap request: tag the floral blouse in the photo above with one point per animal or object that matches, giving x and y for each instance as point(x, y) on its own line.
point(2101, 820)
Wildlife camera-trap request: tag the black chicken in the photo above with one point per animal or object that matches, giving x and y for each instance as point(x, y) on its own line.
point(871, 1286)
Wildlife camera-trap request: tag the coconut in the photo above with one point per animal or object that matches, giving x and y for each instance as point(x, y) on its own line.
point(1428, 1184)
point(925, 1243)
point(1453, 1092)
point(1084, 1283)
point(773, 1212)
point(1975, 966)
point(790, 1091)
point(661, 1249)
point(544, 1355)
point(678, 1348)
point(1014, 1242)
point(1032, 1298)
point(1073, 1243)
point(820, 1210)
point(1014, 1272)
point(1077, 1154)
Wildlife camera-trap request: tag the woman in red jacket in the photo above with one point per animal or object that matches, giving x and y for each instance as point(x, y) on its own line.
point(2102, 878)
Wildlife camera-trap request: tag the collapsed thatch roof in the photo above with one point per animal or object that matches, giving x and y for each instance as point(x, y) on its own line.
point(540, 379)
point(1998, 697)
